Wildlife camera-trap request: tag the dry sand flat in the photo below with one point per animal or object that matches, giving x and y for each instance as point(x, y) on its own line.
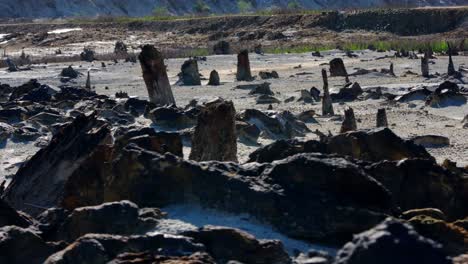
point(406, 119)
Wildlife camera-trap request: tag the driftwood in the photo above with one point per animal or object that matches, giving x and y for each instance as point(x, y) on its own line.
point(155, 76)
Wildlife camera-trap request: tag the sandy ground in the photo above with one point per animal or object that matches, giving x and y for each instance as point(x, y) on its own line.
point(406, 119)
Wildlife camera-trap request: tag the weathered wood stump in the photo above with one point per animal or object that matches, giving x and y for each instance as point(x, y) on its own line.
point(327, 106)
point(337, 68)
point(214, 78)
point(349, 122)
point(425, 65)
point(215, 135)
point(382, 118)
point(243, 67)
point(451, 67)
point(189, 73)
point(155, 76)
point(88, 82)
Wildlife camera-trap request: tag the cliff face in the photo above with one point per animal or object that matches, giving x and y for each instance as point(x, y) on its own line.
point(91, 8)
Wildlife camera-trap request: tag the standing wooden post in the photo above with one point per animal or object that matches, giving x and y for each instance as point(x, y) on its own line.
point(327, 106)
point(155, 76)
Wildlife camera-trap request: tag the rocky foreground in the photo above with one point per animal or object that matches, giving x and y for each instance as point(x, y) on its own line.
point(96, 189)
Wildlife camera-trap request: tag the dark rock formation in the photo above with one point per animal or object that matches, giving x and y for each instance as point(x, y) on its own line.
point(268, 75)
point(243, 67)
point(382, 118)
point(24, 89)
point(19, 246)
point(147, 138)
point(36, 185)
point(9, 216)
point(88, 55)
point(307, 116)
point(214, 78)
point(306, 97)
point(349, 121)
point(100, 248)
point(222, 48)
point(117, 218)
point(155, 76)
point(267, 99)
point(226, 244)
point(419, 94)
point(447, 94)
point(69, 73)
point(247, 132)
point(374, 145)
point(391, 242)
point(281, 149)
point(348, 94)
point(173, 117)
point(421, 183)
point(189, 73)
point(262, 89)
point(215, 134)
point(289, 208)
point(196, 258)
point(327, 105)
point(275, 125)
point(454, 238)
point(433, 141)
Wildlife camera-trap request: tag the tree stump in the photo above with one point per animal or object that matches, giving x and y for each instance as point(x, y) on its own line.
point(425, 65)
point(243, 66)
point(214, 78)
point(382, 118)
point(451, 67)
point(215, 135)
point(155, 76)
point(88, 82)
point(189, 73)
point(349, 122)
point(327, 106)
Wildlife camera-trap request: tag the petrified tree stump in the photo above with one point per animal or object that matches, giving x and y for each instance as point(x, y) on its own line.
point(214, 78)
point(327, 106)
point(451, 67)
point(243, 66)
point(215, 134)
point(155, 76)
point(88, 82)
point(392, 71)
point(382, 118)
point(190, 74)
point(349, 122)
point(337, 68)
point(425, 65)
